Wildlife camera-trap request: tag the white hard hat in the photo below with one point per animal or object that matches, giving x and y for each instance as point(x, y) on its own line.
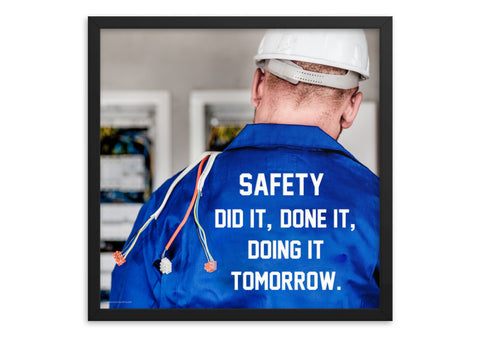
point(341, 48)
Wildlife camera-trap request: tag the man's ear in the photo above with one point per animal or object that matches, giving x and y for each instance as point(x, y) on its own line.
point(351, 110)
point(257, 87)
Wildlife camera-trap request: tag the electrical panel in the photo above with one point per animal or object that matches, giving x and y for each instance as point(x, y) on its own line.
point(132, 149)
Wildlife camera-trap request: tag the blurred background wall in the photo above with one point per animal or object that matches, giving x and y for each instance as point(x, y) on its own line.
point(182, 60)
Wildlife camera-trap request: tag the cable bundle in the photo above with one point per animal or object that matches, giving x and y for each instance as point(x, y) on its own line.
point(211, 265)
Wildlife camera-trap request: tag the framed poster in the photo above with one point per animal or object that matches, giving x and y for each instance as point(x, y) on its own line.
point(279, 220)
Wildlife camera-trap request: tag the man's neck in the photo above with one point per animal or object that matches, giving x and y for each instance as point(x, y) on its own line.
point(309, 116)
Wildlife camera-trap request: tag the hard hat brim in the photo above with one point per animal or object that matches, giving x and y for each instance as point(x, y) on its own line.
point(259, 58)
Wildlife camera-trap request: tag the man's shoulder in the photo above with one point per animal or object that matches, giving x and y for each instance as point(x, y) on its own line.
point(286, 158)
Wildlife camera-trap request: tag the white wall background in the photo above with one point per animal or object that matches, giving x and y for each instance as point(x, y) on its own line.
point(43, 180)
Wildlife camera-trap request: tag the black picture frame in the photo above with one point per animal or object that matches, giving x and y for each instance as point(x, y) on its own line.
point(383, 313)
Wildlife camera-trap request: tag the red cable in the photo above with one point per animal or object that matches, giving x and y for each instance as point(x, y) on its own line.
point(195, 193)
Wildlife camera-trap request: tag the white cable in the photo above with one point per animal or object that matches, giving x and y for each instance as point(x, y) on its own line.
point(179, 178)
point(208, 167)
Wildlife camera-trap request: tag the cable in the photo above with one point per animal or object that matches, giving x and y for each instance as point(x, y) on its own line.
point(179, 178)
point(189, 207)
point(211, 265)
point(202, 236)
point(120, 256)
point(137, 235)
point(165, 264)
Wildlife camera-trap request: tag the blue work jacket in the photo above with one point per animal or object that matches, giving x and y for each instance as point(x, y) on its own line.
point(290, 216)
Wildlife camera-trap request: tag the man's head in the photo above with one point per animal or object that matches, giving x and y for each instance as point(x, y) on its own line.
point(310, 77)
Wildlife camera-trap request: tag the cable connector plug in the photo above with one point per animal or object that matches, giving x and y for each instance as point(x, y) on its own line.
point(165, 266)
point(211, 266)
point(119, 258)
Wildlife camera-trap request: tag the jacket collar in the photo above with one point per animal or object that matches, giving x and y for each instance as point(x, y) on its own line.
point(289, 136)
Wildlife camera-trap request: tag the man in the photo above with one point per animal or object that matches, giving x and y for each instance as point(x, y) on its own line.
point(285, 217)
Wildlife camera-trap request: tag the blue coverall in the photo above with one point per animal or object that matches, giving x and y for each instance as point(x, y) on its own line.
point(312, 240)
